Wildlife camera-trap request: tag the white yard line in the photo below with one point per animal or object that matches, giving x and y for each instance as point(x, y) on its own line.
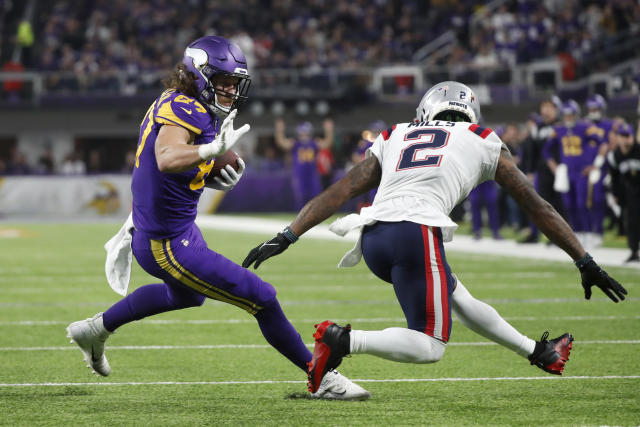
point(262, 346)
point(316, 303)
point(460, 243)
point(355, 320)
point(383, 380)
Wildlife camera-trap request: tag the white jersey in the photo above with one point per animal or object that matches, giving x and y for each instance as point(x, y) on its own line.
point(430, 167)
point(427, 169)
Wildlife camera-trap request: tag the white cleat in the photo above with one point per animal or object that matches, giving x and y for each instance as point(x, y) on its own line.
point(90, 335)
point(335, 386)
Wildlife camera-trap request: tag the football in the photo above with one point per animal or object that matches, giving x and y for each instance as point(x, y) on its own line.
point(228, 158)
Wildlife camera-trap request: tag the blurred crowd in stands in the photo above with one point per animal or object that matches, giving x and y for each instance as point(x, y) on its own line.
point(106, 41)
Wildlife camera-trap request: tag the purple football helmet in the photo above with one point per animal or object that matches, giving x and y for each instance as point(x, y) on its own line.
point(304, 128)
point(624, 129)
point(571, 107)
point(213, 56)
point(570, 112)
point(596, 105)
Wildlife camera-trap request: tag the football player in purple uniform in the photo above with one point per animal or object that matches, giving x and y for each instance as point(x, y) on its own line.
point(180, 136)
point(596, 173)
point(579, 143)
point(304, 150)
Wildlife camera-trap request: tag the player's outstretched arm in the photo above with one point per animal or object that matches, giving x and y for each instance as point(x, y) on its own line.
point(554, 227)
point(362, 178)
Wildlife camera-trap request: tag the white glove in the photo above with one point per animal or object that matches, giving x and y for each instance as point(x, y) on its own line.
point(594, 176)
point(230, 177)
point(227, 137)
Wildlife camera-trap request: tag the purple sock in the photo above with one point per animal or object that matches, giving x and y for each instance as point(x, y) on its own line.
point(147, 301)
point(281, 334)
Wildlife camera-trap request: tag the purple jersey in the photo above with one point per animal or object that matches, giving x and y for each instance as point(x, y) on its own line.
point(605, 125)
point(578, 145)
point(304, 157)
point(165, 204)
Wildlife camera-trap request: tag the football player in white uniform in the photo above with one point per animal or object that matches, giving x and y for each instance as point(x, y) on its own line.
point(422, 170)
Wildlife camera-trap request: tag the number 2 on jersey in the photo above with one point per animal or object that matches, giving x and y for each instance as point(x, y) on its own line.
point(417, 155)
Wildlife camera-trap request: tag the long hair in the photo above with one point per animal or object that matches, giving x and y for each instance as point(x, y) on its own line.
point(182, 80)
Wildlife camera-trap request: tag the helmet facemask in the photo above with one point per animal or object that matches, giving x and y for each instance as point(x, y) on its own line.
point(210, 93)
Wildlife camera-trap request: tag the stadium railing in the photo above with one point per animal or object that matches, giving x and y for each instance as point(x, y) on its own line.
point(391, 83)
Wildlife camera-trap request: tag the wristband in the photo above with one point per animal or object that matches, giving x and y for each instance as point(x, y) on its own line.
point(289, 234)
point(206, 151)
point(582, 262)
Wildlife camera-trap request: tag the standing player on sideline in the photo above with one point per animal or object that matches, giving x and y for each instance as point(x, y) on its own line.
point(179, 140)
point(535, 165)
point(423, 170)
point(579, 143)
point(597, 171)
point(304, 149)
point(625, 169)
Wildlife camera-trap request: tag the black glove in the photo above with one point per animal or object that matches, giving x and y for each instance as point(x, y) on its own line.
point(270, 248)
point(592, 275)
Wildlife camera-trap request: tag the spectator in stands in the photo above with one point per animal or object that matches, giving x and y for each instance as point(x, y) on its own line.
point(73, 164)
point(308, 35)
point(46, 164)
point(18, 164)
point(129, 161)
point(94, 165)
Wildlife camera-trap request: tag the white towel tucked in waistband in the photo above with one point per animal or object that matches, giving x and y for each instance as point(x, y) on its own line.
point(119, 258)
point(345, 224)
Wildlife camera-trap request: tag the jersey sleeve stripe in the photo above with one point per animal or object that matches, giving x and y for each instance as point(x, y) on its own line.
point(167, 116)
point(386, 134)
point(480, 131)
point(485, 133)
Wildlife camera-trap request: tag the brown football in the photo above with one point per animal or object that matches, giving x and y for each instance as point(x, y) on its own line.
point(228, 158)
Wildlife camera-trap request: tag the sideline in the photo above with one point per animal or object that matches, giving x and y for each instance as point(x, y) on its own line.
point(461, 243)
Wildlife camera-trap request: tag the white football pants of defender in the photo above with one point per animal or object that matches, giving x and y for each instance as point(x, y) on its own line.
point(409, 346)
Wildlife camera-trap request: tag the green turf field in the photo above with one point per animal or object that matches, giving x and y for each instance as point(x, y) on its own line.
point(53, 274)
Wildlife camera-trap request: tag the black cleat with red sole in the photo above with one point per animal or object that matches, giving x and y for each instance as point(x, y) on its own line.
point(554, 353)
point(332, 344)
